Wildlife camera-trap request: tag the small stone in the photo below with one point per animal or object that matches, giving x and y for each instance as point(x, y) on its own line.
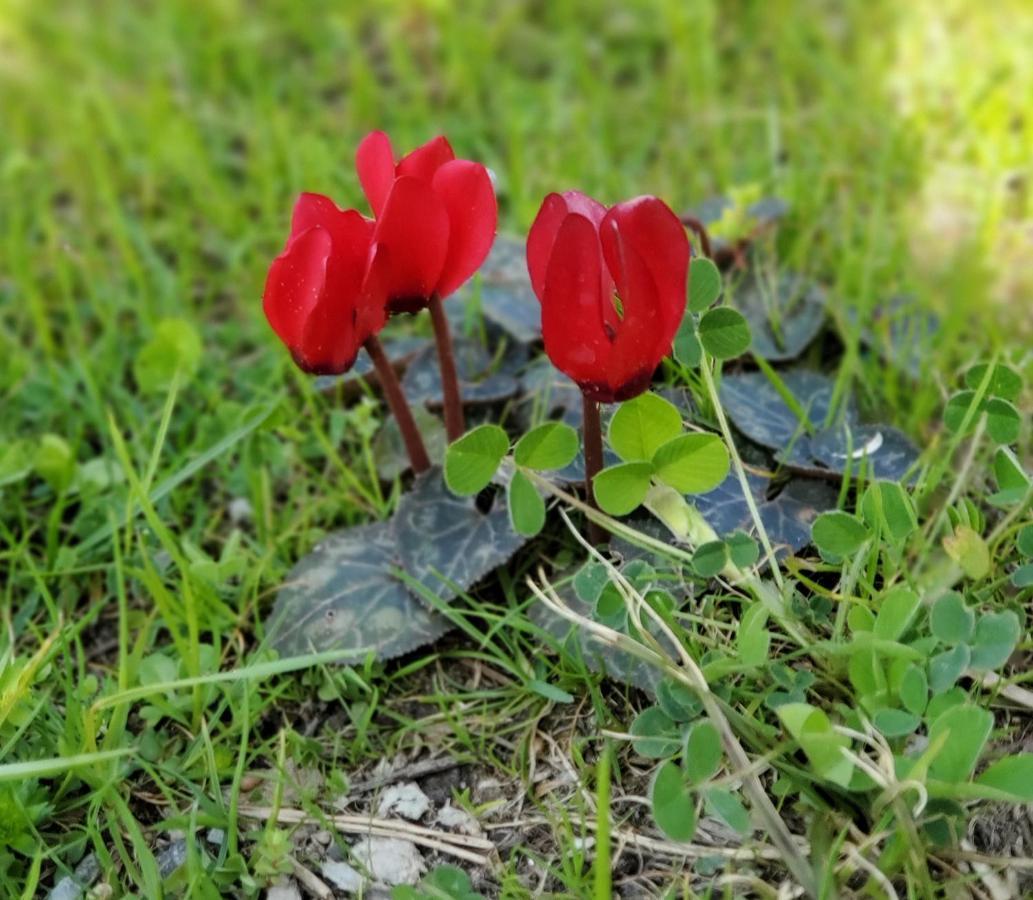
point(342, 876)
point(171, 858)
point(389, 860)
point(71, 886)
point(584, 843)
point(323, 837)
point(240, 510)
point(216, 836)
point(283, 890)
point(460, 820)
point(487, 790)
point(405, 800)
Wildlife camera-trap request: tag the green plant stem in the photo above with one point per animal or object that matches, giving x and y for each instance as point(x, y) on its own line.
point(593, 438)
point(399, 406)
point(455, 423)
point(740, 471)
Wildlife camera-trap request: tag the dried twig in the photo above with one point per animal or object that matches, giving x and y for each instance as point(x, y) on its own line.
point(461, 846)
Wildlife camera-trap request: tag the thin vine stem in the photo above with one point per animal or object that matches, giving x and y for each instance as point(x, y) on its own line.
point(740, 471)
point(399, 406)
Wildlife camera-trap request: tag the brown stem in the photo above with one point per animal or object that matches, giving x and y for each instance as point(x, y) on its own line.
point(399, 406)
point(593, 436)
point(455, 424)
point(697, 226)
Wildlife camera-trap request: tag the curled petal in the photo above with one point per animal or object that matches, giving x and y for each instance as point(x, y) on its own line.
point(350, 235)
point(542, 236)
point(654, 233)
point(469, 198)
point(413, 234)
point(295, 286)
point(572, 325)
point(639, 344)
point(375, 163)
point(425, 160)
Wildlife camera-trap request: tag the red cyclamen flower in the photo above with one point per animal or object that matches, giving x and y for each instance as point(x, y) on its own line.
point(435, 218)
point(323, 298)
point(612, 288)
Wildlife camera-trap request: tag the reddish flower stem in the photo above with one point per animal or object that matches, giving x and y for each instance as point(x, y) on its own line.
point(694, 224)
point(593, 437)
point(455, 423)
point(399, 406)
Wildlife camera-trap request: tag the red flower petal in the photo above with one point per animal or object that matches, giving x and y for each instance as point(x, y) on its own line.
point(375, 163)
point(424, 161)
point(572, 324)
point(647, 225)
point(639, 345)
point(542, 236)
point(295, 284)
point(412, 234)
point(469, 198)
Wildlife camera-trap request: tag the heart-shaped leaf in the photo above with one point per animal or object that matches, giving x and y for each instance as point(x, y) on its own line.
point(526, 507)
point(472, 460)
point(787, 518)
point(620, 489)
point(344, 595)
point(482, 378)
point(692, 463)
point(674, 802)
point(967, 728)
point(552, 445)
point(724, 333)
point(838, 534)
point(996, 637)
point(704, 284)
point(445, 542)
point(503, 291)
point(950, 620)
point(641, 425)
point(785, 313)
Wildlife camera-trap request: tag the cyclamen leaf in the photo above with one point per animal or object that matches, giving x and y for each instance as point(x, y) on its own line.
point(445, 542)
point(344, 595)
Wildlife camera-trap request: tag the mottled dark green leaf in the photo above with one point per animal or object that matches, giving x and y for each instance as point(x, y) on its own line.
point(444, 540)
point(503, 290)
point(482, 378)
point(389, 453)
point(786, 312)
point(883, 451)
point(344, 595)
point(758, 410)
point(787, 518)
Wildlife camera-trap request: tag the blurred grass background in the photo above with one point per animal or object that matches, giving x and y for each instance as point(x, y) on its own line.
point(150, 153)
